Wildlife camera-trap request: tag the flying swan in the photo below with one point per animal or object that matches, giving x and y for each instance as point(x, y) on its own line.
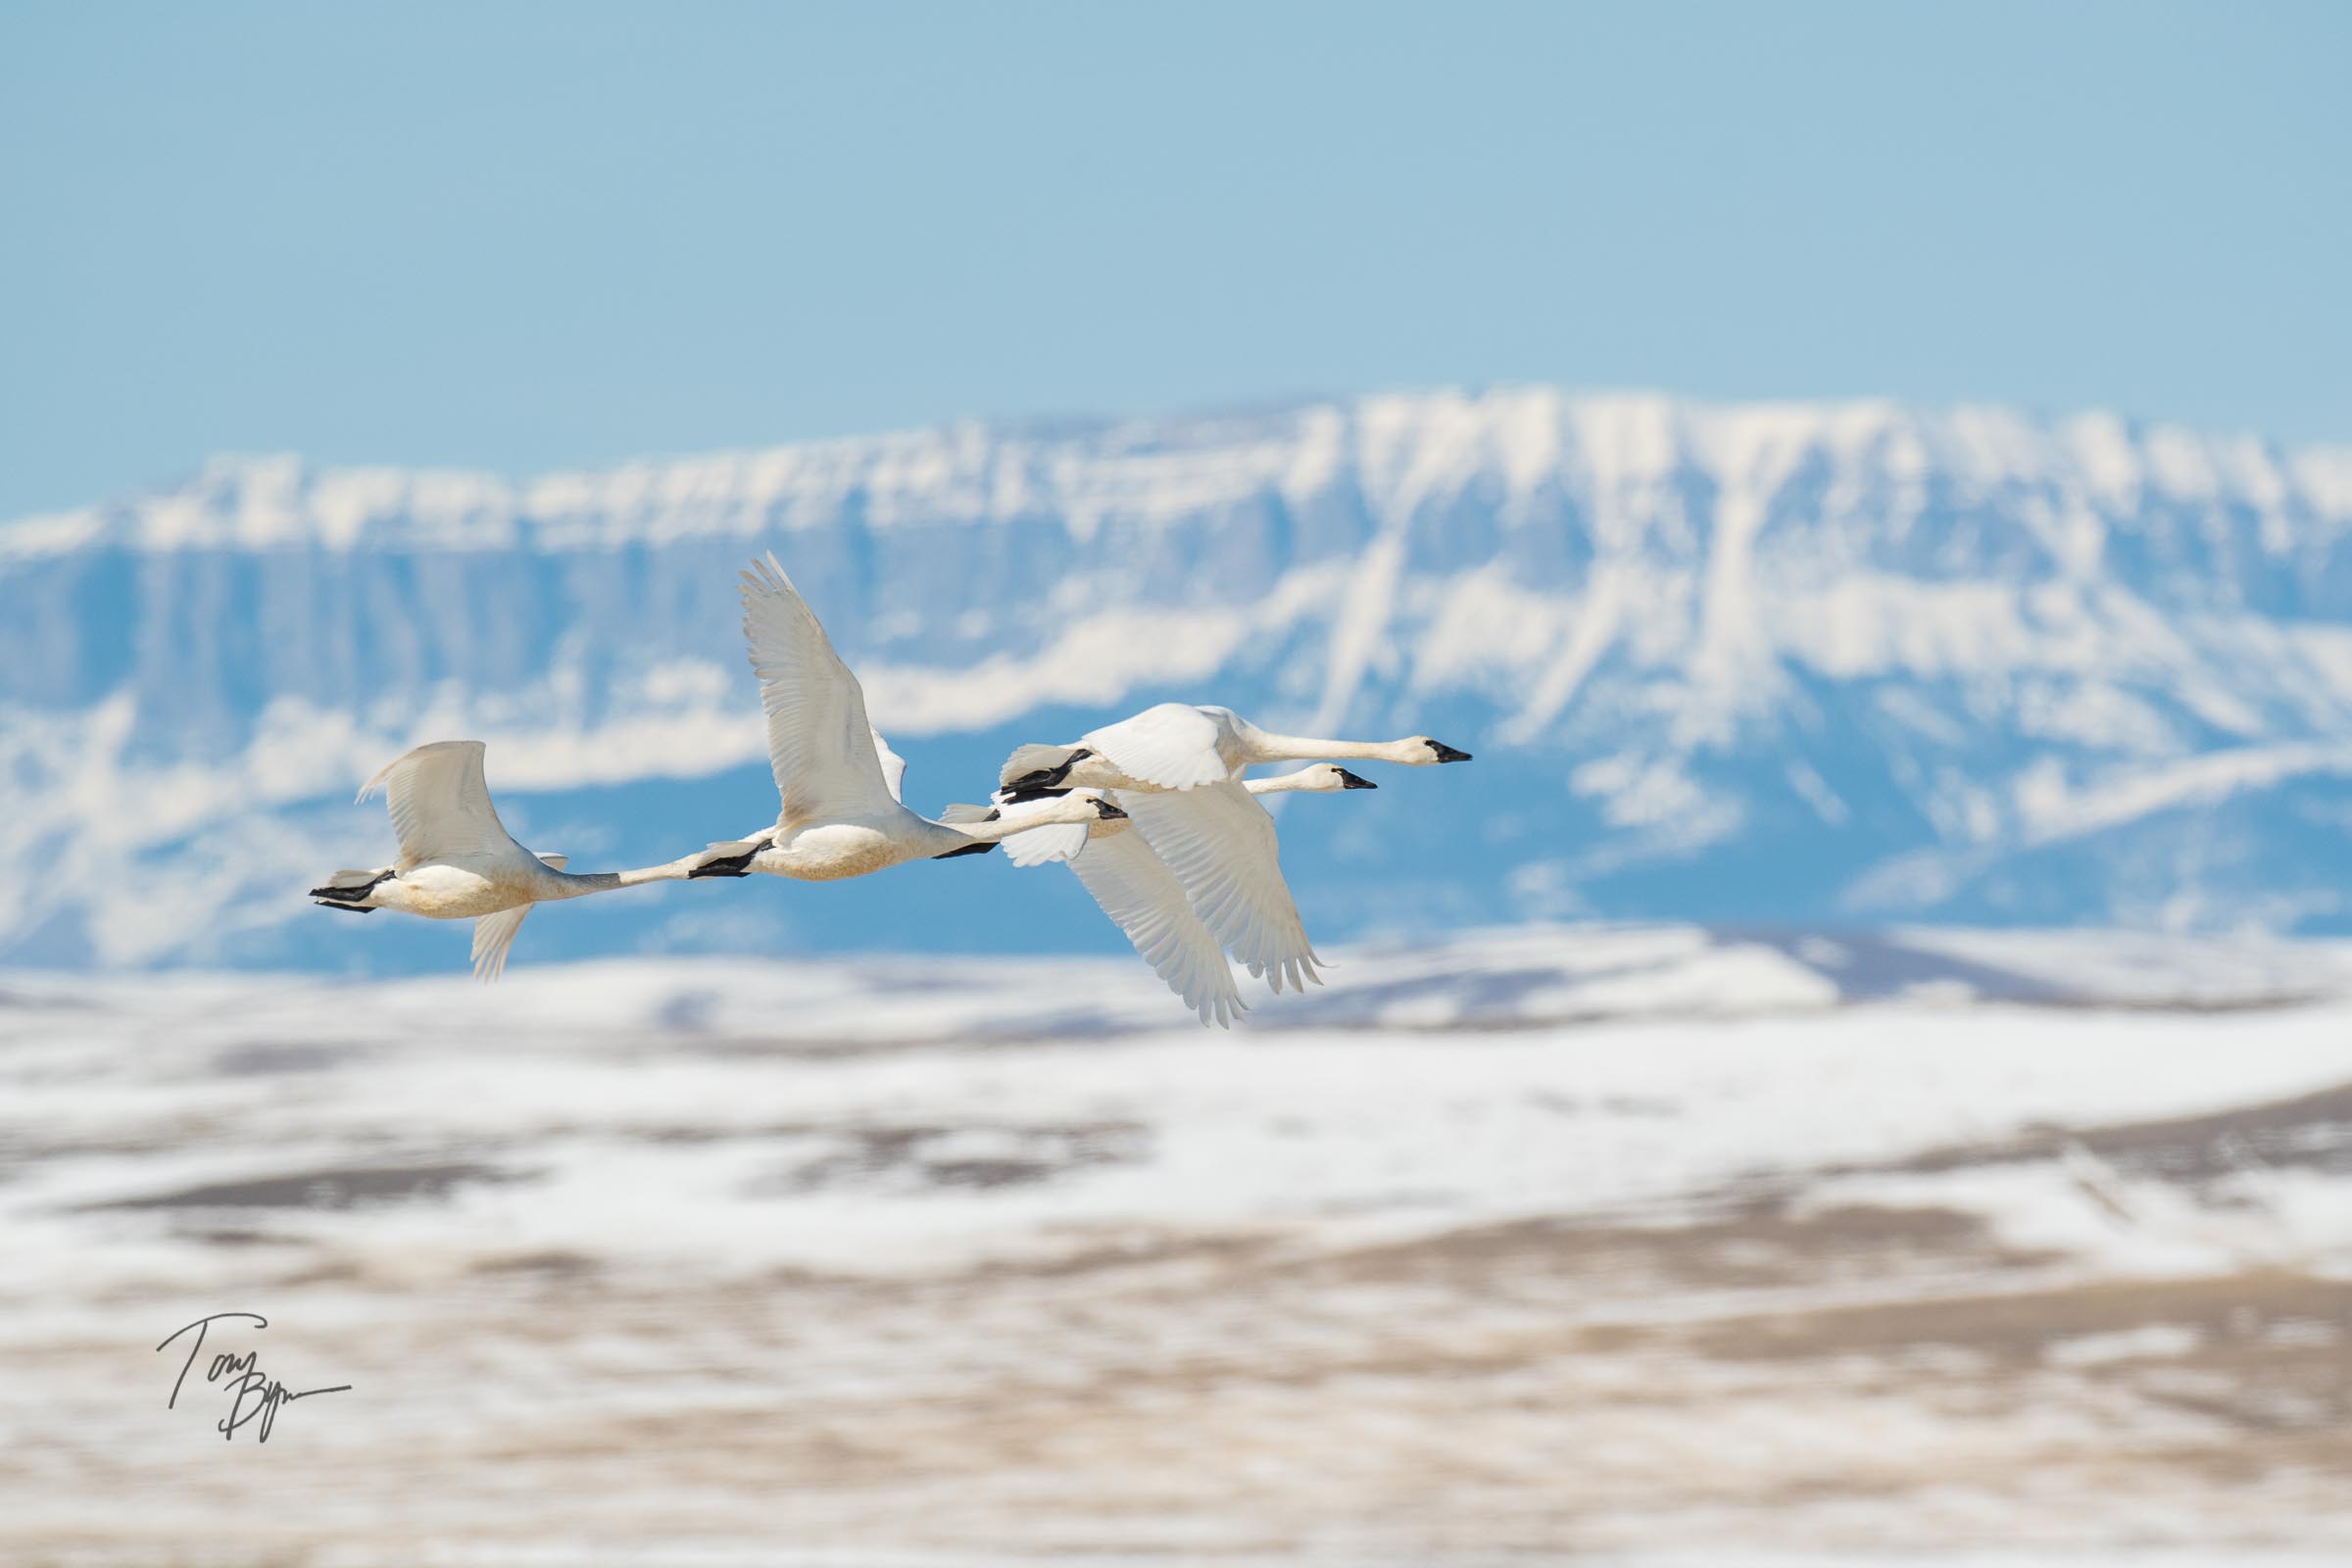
point(457, 860)
point(1130, 883)
point(1176, 746)
point(1177, 770)
point(840, 781)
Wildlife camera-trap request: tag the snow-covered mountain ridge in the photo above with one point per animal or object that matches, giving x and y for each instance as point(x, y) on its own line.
point(1788, 662)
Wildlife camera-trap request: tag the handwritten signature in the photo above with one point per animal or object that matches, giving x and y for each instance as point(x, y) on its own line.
point(253, 1394)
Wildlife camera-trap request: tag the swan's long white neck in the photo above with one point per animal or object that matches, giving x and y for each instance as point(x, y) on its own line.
point(566, 885)
point(1284, 783)
point(1069, 809)
point(1270, 747)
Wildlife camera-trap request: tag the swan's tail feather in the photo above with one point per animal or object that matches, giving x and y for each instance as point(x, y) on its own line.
point(958, 814)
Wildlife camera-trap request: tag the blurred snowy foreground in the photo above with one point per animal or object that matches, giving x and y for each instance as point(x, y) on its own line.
point(1554, 1245)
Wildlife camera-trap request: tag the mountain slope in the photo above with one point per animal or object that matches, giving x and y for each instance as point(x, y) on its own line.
point(1795, 664)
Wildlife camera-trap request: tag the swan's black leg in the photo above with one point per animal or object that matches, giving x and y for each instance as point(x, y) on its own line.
point(336, 897)
point(732, 865)
point(969, 849)
point(1049, 778)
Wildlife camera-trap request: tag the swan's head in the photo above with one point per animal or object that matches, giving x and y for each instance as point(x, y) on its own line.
point(1330, 776)
point(1434, 752)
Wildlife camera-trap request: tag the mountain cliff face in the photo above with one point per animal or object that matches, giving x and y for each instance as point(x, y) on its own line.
point(1779, 664)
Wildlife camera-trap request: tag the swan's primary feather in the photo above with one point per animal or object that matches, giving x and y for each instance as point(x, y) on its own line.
point(1172, 745)
point(1144, 898)
point(494, 934)
point(440, 806)
point(1220, 844)
point(826, 755)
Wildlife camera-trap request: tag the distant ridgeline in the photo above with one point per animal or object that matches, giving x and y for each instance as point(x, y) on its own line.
point(1788, 664)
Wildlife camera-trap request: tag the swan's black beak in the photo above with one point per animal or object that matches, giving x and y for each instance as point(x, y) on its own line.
point(1446, 753)
point(1355, 781)
point(1110, 812)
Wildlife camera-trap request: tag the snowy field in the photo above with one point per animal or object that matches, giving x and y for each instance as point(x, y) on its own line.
point(1594, 1246)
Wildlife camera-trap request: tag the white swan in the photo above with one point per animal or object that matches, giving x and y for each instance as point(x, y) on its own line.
point(1176, 768)
point(457, 860)
point(1130, 883)
point(838, 778)
point(1177, 746)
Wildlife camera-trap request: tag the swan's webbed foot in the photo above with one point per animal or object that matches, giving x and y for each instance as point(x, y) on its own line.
point(738, 865)
point(1048, 778)
point(730, 865)
point(348, 892)
point(969, 849)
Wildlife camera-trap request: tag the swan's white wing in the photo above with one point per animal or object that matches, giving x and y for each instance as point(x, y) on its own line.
point(494, 934)
point(440, 806)
point(1173, 745)
point(1221, 843)
point(1043, 845)
point(1144, 898)
point(1040, 846)
point(894, 767)
point(819, 742)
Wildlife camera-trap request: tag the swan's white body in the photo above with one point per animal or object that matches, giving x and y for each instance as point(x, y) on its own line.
point(1177, 770)
point(838, 779)
point(457, 860)
point(1123, 873)
point(1177, 746)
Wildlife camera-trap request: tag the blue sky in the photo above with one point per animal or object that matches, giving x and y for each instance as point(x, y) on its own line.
point(520, 236)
